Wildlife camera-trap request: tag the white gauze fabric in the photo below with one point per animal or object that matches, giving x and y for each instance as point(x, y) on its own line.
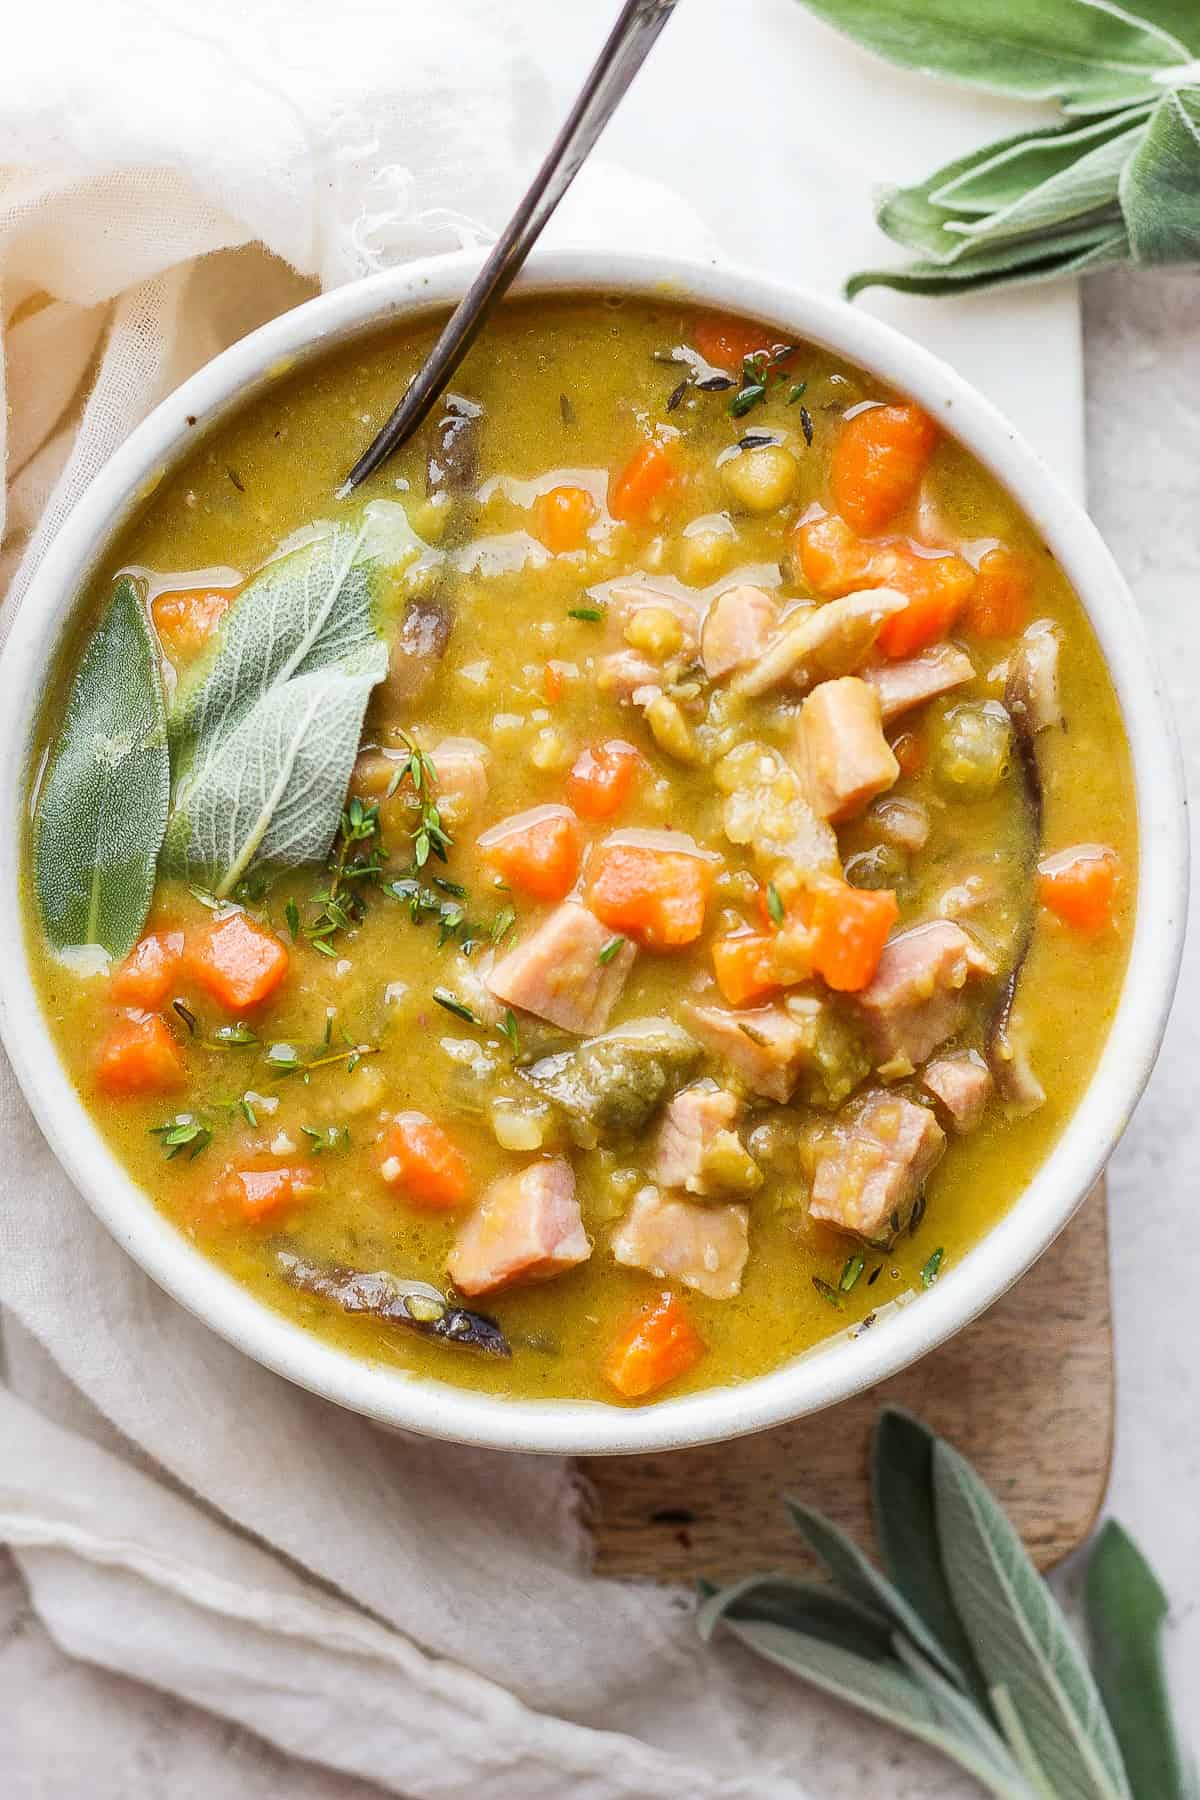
point(413, 1613)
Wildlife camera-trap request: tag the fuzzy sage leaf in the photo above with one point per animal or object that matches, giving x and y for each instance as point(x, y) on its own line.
point(1118, 179)
point(265, 735)
point(1020, 1638)
point(102, 808)
point(1126, 1609)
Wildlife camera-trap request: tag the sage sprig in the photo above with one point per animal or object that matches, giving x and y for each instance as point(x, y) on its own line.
point(1117, 180)
point(959, 1642)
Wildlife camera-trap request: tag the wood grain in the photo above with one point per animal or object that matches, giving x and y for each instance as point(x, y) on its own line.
point(1026, 1392)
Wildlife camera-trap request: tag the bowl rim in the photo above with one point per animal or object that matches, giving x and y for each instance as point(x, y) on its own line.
point(841, 1366)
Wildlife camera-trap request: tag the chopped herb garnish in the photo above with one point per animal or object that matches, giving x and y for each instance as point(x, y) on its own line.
point(291, 913)
point(450, 887)
point(755, 440)
point(233, 1036)
point(827, 1293)
point(236, 479)
point(429, 835)
point(591, 615)
point(918, 1213)
point(930, 1272)
point(207, 898)
point(796, 392)
point(894, 1223)
point(746, 398)
point(676, 395)
point(774, 904)
point(329, 1137)
point(508, 1026)
point(876, 1272)
point(609, 950)
point(566, 409)
point(247, 1111)
point(294, 1059)
point(854, 1267)
point(186, 1014)
point(183, 1133)
point(753, 1033)
point(454, 1005)
point(806, 425)
point(502, 924)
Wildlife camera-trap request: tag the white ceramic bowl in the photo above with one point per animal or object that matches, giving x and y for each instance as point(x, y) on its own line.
point(843, 1365)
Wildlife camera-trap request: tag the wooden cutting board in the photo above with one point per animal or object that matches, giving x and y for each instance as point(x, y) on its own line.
point(1026, 1393)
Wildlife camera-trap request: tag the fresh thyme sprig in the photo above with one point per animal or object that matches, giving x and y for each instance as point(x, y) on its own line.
point(183, 1133)
point(429, 835)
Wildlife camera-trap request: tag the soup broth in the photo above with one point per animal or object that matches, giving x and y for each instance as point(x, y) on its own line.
point(741, 754)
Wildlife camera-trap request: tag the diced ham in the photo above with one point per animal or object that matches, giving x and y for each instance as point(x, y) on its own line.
point(962, 1086)
point(624, 673)
point(915, 1001)
point(1014, 1075)
point(703, 1246)
point(765, 1046)
point(462, 778)
point(843, 755)
point(556, 972)
point(903, 685)
point(1031, 691)
point(527, 1227)
point(698, 1149)
point(824, 641)
point(902, 823)
point(737, 629)
point(871, 1163)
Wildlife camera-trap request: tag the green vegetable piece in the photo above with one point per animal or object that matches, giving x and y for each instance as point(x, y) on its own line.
point(974, 750)
point(265, 734)
point(102, 809)
point(612, 1085)
point(835, 1058)
point(1125, 1609)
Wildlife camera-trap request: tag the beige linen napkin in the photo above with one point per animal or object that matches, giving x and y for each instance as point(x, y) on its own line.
point(413, 1613)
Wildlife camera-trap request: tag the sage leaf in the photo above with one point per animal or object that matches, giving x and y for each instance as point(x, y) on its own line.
point(884, 1691)
point(1004, 172)
point(1160, 186)
point(906, 1526)
point(1021, 1639)
point(1084, 192)
point(265, 734)
point(973, 1725)
point(858, 1578)
point(813, 1608)
point(102, 808)
point(1125, 1609)
point(1074, 253)
point(1019, 1744)
point(1092, 54)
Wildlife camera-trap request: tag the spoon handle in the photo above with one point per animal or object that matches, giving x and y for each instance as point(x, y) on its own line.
point(624, 52)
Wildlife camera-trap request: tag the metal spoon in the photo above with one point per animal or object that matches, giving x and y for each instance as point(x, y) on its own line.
point(608, 80)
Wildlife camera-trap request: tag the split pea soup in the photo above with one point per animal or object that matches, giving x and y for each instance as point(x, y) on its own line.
point(633, 891)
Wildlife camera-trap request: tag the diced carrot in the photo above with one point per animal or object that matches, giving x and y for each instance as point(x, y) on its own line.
point(1078, 886)
point(419, 1157)
point(726, 341)
point(601, 778)
point(262, 1193)
point(850, 926)
point(832, 559)
point(536, 851)
point(139, 1056)
point(239, 963)
point(745, 967)
point(637, 490)
point(561, 518)
point(552, 683)
point(999, 604)
point(658, 1344)
point(938, 587)
point(877, 463)
point(909, 751)
point(145, 977)
point(185, 618)
point(657, 897)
